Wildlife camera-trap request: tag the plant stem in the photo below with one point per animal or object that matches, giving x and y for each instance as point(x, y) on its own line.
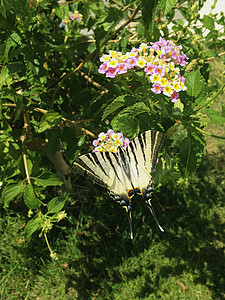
point(210, 134)
point(210, 100)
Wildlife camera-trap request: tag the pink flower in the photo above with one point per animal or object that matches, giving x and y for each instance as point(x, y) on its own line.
point(95, 143)
point(111, 72)
point(182, 79)
point(174, 96)
point(156, 88)
point(121, 68)
point(125, 143)
point(131, 62)
point(103, 68)
point(160, 70)
point(149, 68)
point(175, 55)
point(109, 132)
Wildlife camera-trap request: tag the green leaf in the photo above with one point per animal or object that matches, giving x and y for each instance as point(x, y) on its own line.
point(162, 169)
point(127, 124)
point(192, 148)
point(135, 110)
point(48, 179)
point(196, 86)
point(208, 22)
point(50, 119)
point(56, 204)
point(223, 111)
point(19, 107)
point(124, 100)
point(30, 199)
point(167, 5)
point(107, 22)
point(62, 11)
point(32, 226)
point(117, 103)
point(5, 79)
point(149, 9)
point(10, 191)
point(215, 117)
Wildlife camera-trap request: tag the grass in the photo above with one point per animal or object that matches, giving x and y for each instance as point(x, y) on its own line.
point(97, 260)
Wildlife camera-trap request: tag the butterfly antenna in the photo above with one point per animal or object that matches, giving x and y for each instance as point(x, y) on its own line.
point(154, 216)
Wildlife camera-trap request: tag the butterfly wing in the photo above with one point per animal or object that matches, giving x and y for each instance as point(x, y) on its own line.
point(110, 170)
point(105, 169)
point(142, 153)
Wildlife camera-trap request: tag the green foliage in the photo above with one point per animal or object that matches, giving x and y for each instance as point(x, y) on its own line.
point(52, 93)
point(98, 258)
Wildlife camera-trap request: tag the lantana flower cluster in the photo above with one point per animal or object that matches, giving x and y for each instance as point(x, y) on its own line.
point(73, 16)
point(160, 61)
point(110, 141)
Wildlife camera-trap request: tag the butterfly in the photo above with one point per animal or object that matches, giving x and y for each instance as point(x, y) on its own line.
point(127, 172)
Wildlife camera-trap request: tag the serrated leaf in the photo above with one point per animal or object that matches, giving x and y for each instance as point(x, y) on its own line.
point(48, 179)
point(196, 86)
point(127, 124)
point(215, 117)
point(167, 5)
point(32, 226)
point(30, 199)
point(10, 191)
point(56, 204)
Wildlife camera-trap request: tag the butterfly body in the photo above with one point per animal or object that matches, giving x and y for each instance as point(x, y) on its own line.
point(126, 172)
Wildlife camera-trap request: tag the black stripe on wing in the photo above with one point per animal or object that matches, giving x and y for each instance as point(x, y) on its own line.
point(156, 143)
point(81, 166)
point(107, 154)
point(124, 162)
point(140, 139)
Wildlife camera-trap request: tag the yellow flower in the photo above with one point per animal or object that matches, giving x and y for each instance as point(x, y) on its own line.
point(113, 63)
point(141, 62)
point(61, 215)
point(163, 81)
point(113, 54)
point(47, 225)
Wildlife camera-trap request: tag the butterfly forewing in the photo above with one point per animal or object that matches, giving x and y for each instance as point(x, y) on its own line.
point(142, 154)
point(105, 169)
point(144, 149)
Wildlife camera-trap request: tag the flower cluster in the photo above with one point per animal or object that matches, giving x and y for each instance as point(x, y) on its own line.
point(75, 16)
point(110, 141)
point(159, 61)
point(61, 215)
